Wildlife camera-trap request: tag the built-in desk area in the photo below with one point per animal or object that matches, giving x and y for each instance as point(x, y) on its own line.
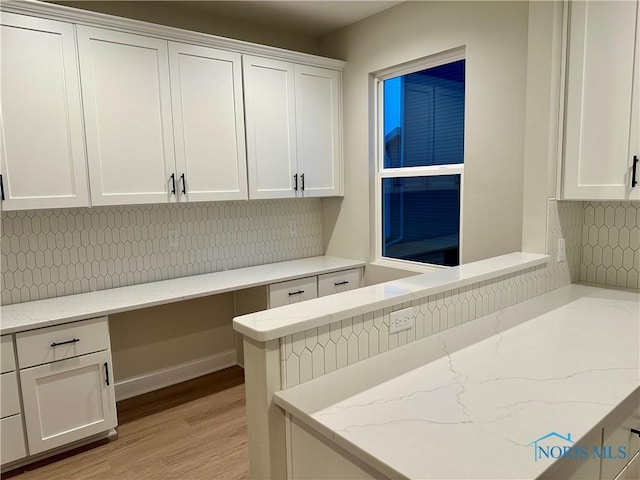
point(58, 351)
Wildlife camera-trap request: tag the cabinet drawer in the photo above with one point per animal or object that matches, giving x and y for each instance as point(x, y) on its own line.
point(620, 435)
point(336, 282)
point(9, 395)
point(50, 344)
point(8, 363)
point(293, 291)
point(12, 439)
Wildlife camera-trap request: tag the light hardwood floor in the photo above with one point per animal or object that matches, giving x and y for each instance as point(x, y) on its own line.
point(194, 430)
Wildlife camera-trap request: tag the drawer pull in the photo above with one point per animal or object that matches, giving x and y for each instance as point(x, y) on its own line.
point(75, 340)
point(299, 292)
point(337, 284)
point(635, 432)
point(106, 373)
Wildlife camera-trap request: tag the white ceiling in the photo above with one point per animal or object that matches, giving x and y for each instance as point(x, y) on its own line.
point(309, 17)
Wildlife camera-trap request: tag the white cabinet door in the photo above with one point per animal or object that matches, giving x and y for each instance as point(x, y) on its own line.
point(68, 400)
point(271, 127)
point(598, 160)
point(43, 161)
point(318, 131)
point(206, 93)
point(127, 106)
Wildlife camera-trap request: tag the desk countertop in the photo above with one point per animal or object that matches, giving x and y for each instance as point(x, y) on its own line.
point(53, 311)
point(569, 358)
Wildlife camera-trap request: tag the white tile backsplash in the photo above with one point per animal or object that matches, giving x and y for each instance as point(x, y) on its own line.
point(50, 253)
point(611, 244)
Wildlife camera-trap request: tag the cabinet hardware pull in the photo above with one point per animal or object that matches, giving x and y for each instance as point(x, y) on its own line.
point(302, 178)
point(295, 179)
point(184, 184)
point(57, 344)
point(635, 432)
point(296, 293)
point(634, 182)
point(1, 187)
point(337, 284)
point(106, 373)
point(173, 183)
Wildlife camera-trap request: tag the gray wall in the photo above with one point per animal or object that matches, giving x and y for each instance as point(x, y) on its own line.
point(495, 36)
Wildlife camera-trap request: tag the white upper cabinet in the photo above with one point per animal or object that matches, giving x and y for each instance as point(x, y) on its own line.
point(294, 146)
point(318, 130)
point(41, 139)
point(602, 128)
point(135, 114)
point(271, 127)
point(208, 122)
point(127, 107)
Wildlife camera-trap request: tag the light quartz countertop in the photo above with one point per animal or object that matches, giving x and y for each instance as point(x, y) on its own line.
point(278, 322)
point(455, 406)
point(53, 311)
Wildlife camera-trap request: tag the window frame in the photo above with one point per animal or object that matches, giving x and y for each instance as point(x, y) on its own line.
point(380, 172)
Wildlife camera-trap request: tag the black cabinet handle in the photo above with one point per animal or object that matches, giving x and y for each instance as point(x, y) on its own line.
point(299, 292)
point(337, 284)
point(57, 344)
point(302, 178)
point(635, 432)
point(295, 179)
point(634, 182)
point(184, 184)
point(106, 373)
point(1, 187)
point(173, 183)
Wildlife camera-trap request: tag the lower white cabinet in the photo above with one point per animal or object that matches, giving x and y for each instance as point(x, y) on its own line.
point(620, 434)
point(68, 400)
point(12, 444)
point(12, 439)
point(293, 291)
point(301, 289)
point(336, 282)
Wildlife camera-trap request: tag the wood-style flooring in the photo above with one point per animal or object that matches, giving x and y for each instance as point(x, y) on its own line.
point(193, 430)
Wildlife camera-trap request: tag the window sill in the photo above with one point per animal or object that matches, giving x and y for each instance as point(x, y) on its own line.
point(407, 266)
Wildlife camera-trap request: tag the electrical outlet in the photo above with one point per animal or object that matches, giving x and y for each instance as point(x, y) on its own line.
point(173, 238)
point(562, 253)
point(401, 320)
point(293, 227)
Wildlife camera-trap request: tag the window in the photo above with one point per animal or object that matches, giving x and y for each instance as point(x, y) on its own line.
point(421, 161)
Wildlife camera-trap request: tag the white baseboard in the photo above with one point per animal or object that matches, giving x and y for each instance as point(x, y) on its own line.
point(165, 377)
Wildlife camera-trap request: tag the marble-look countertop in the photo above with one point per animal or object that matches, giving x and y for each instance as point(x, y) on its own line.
point(53, 311)
point(278, 322)
point(446, 407)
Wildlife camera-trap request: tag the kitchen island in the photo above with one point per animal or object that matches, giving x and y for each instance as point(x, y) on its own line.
point(478, 400)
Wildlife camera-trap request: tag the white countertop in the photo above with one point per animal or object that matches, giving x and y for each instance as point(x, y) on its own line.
point(445, 407)
point(43, 313)
point(278, 322)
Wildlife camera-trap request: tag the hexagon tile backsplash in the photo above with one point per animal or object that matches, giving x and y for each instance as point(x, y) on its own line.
point(611, 244)
point(50, 253)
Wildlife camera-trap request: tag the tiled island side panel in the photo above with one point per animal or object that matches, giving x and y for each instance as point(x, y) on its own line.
point(321, 350)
